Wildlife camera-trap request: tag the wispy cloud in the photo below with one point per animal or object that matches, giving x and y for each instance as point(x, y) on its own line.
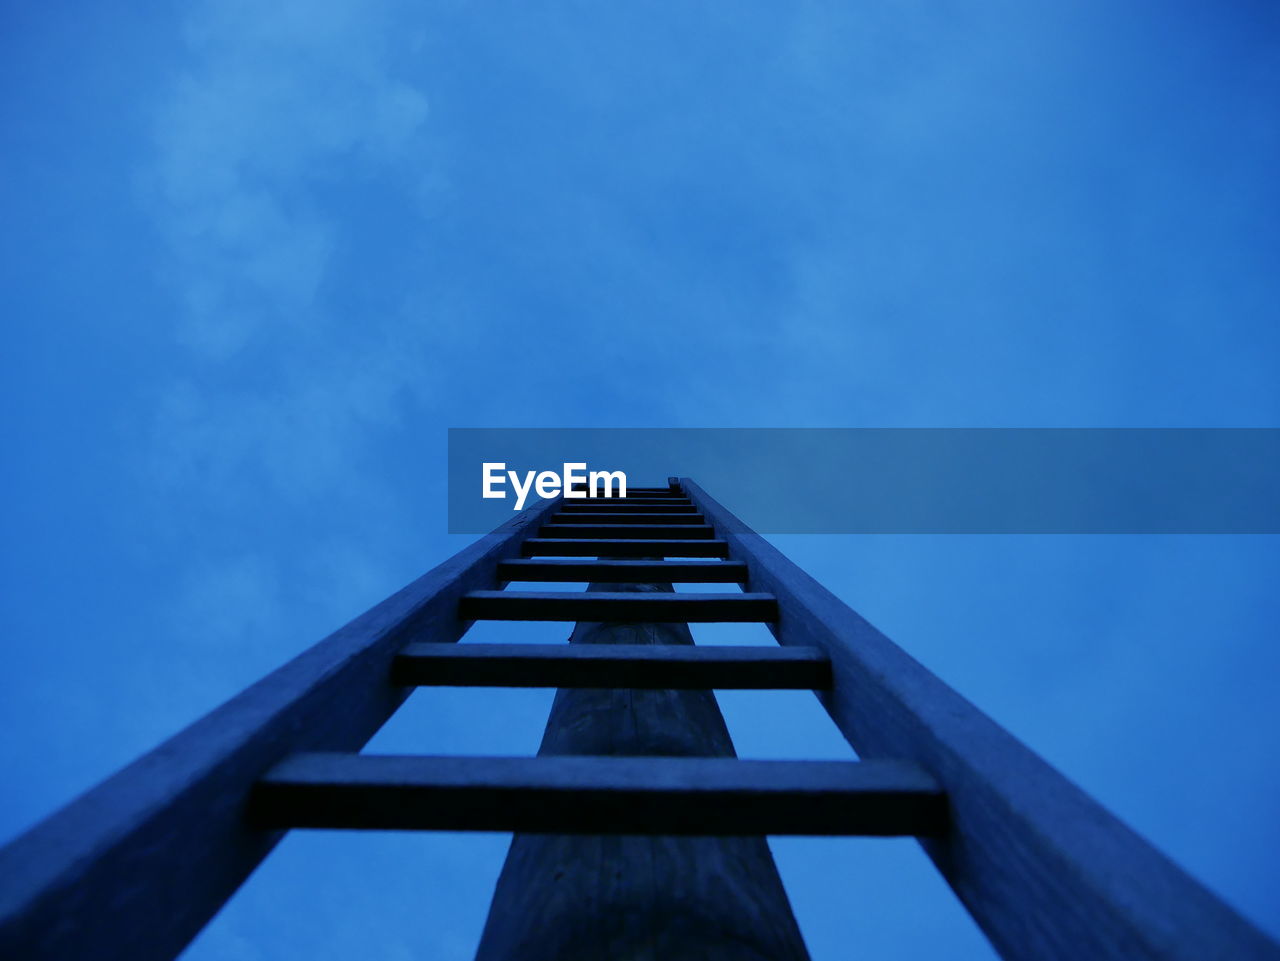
point(275, 388)
point(278, 103)
point(280, 106)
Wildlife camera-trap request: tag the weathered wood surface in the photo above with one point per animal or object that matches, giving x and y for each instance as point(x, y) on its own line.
point(623, 571)
point(1045, 870)
point(622, 547)
point(615, 606)
point(133, 868)
point(676, 666)
point(600, 795)
point(609, 897)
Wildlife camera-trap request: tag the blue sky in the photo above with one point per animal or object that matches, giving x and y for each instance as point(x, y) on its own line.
point(256, 259)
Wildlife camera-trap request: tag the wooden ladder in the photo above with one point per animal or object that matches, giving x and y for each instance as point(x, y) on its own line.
point(136, 866)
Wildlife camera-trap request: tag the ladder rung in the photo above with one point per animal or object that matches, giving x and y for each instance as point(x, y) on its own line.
point(629, 501)
point(600, 795)
point(584, 517)
point(653, 492)
point(624, 571)
point(621, 547)
point(656, 531)
point(673, 666)
point(615, 606)
point(640, 490)
point(622, 507)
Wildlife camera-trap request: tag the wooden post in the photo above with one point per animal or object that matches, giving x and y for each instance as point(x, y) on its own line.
point(640, 898)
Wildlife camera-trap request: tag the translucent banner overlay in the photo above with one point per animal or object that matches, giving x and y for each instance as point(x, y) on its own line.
point(909, 481)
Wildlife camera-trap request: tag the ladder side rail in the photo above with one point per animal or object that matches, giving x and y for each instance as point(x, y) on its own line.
point(1045, 870)
point(134, 867)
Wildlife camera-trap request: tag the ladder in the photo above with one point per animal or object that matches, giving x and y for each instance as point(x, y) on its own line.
point(137, 865)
